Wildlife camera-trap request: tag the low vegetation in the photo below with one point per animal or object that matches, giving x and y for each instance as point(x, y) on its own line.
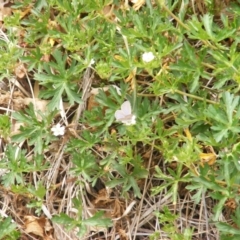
point(120, 119)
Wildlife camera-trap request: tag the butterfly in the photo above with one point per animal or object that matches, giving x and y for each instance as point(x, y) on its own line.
point(125, 115)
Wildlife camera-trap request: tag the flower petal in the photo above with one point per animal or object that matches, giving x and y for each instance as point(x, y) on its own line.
point(58, 130)
point(148, 57)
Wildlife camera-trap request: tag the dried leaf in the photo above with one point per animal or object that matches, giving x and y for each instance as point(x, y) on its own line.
point(108, 11)
point(39, 227)
point(231, 203)
point(4, 11)
point(20, 70)
point(131, 78)
point(209, 158)
point(188, 134)
point(137, 4)
point(32, 225)
point(127, 211)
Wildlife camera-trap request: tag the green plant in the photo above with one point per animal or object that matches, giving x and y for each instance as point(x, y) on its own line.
point(173, 121)
point(167, 219)
point(97, 220)
point(35, 128)
point(15, 165)
point(5, 126)
point(60, 83)
point(8, 229)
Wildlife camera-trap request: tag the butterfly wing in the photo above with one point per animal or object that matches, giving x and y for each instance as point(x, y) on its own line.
point(129, 119)
point(119, 114)
point(125, 115)
point(126, 108)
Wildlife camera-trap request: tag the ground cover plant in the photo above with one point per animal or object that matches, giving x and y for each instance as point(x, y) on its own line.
point(119, 119)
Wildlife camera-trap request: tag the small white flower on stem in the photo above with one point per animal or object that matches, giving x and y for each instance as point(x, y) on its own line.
point(148, 57)
point(58, 130)
point(125, 115)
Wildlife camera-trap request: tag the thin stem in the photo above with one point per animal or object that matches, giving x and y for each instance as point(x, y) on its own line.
point(173, 16)
point(195, 97)
point(182, 93)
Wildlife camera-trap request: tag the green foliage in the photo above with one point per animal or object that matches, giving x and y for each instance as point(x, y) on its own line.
point(35, 129)
point(64, 82)
point(167, 219)
point(229, 231)
point(224, 118)
point(8, 229)
point(97, 220)
point(185, 100)
point(5, 126)
point(171, 181)
point(10, 53)
point(15, 165)
point(33, 60)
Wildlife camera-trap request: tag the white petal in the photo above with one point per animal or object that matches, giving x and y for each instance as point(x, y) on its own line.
point(148, 56)
point(58, 130)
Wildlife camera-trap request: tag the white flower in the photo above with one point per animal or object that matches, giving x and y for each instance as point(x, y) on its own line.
point(58, 130)
point(148, 56)
point(125, 115)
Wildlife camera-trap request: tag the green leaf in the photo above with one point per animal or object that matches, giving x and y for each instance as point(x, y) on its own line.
point(199, 190)
point(7, 227)
point(219, 135)
point(72, 95)
point(136, 189)
point(226, 228)
point(55, 101)
point(40, 4)
point(208, 183)
point(5, 125)
point(231, 103)
point(115, 182)
point(218, 208)
point(39, 191)
point(98, 220)
point(207, 22)
point(63, 219)
point(217, 114)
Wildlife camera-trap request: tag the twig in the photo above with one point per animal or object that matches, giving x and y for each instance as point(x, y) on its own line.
point(86, 85)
